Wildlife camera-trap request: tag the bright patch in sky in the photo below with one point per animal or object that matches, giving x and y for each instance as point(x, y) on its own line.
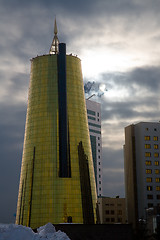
point(102, 87)
point(95, 63)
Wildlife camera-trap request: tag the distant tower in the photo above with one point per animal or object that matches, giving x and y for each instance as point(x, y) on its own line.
point(94, 122)
point(57, 181)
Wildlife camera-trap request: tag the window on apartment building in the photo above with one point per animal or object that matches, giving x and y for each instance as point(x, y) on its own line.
point(98, 114)
point(157, 188)
point(98, 144)
point(146, 129)
point(91, 112)
point(107, 204)
point(148, 163)
point(119, 220)
point(99, 169)
point(155, 129)
point(107, 219)
point(99, 182)
point(150, 205)
point(111, 204)
point(99, 157)
point(112, 212)
point(99, 163)
point(119, 212)
point(158, 196)
point(98, 138)
point(157, 179)
point(99, 189)
point(156, 154)
point(99, 150)
point(156, 171)
point(155, 146)
point(98, 119)
point(107, 212)
point(94, 125)
point(147, 146)
point(149, 188)
point(155, 138)
point(149, 196)
point(148, 171)
point(92, 118)
point(156, 163)
point(148, 179)
point(147, 138)
point(94, 131)
point(112, 219)
point(99, 176)
point(147, 154)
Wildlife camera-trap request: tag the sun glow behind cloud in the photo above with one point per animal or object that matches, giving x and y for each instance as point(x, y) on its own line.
point(96, 62)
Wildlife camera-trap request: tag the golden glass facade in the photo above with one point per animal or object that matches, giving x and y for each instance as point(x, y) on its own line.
point(43, 195)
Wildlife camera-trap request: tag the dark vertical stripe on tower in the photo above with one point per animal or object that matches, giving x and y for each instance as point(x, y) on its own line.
point(86, 193)
point(20, 214)
point(24, 196)
point(62, 97)
point(31, 191)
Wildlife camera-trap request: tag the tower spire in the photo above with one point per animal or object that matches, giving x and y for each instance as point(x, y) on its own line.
point(55, 42)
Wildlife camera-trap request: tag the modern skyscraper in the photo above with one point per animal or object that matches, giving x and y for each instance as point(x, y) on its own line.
point(142, 169)
point(94, 122)
point(57, 182)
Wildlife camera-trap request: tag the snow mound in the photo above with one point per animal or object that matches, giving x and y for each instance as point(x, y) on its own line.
point(19, 232)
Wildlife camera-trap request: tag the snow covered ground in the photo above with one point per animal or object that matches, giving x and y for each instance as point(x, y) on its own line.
point(19, 232)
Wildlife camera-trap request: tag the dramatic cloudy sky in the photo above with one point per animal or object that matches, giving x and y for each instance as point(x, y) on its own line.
point(119, 45)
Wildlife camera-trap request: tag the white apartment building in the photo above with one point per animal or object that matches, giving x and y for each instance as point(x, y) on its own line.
point(94, 123)
point(142, 169)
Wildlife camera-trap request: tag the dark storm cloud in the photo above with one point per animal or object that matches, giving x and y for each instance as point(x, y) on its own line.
point(125, 110)
point(146, 76)
point(142, 86)
point(112, 170)
point(11, 139)
point(13, 98)
point(19, 85)
point(108, 154)
point(74, 7)
point(70, 5)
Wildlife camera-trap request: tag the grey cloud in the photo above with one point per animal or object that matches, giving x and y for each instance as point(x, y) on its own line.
point(112, 170)
point(142, 101)
point(126, 110)
point(116, 162)
point(145, 76)
point(11, 139)
point(148, 77)
point(14, 87)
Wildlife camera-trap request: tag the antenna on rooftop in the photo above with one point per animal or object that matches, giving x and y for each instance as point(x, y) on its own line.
point(55, 42)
